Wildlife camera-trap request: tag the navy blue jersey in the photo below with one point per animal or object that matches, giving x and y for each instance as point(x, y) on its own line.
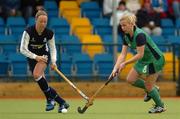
point(38, 43)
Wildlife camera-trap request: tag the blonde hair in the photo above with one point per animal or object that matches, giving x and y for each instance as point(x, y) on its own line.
point(39, 13)
point(129, 17)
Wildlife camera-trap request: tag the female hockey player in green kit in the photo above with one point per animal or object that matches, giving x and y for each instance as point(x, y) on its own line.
point(149, 61)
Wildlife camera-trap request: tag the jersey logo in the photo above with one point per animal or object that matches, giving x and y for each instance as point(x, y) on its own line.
point(144, 69)
point(36, 46)
point(32, 40)
point(45, 40)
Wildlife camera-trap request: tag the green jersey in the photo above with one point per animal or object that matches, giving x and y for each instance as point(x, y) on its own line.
point(153, 59)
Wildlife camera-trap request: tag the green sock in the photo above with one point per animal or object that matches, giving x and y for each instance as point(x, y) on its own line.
point(140, 84)
point(156, 97)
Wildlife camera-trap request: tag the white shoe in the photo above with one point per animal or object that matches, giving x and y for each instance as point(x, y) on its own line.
point(157, 109)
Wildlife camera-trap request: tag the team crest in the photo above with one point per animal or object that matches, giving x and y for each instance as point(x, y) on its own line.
point(45, 40)
point(32, 40)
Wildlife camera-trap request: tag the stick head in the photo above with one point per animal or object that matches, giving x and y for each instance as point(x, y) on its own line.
point(81, 111)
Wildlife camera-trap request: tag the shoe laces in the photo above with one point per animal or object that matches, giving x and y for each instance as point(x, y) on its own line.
point(154, 106)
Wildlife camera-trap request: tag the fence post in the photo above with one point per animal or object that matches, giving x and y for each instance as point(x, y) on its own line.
point(178, 81)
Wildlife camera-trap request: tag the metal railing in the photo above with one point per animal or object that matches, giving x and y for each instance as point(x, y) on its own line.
point(108, 49)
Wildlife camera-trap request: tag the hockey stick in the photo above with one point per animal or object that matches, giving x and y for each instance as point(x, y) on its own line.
point(71, 84)
point(91, 99)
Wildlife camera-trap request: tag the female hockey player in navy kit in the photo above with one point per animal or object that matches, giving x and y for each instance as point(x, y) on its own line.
point(34, 45)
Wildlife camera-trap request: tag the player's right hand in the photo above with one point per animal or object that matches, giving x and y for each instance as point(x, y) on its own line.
point(41, 59)
point(115, 72)
point(53, 66)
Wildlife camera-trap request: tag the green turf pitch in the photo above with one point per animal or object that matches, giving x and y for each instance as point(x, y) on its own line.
point(122, 108)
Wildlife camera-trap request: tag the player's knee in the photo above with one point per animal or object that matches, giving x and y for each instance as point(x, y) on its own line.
point(128, 80)
point(36, 75)
point(149, 86)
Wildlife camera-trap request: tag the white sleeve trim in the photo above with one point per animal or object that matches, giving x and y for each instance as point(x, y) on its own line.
point(24, 46)
point(52, 47)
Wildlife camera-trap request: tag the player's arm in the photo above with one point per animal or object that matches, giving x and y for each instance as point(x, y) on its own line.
point(139, 55)
point(53, 52)
point(24, 49)
point(24, 46)
point(140, 41)
point(121, 57)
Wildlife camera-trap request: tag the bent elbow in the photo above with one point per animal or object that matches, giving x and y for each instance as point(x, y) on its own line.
point(22, 50)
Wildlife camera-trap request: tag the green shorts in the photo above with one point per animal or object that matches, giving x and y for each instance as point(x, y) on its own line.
point(150, 68)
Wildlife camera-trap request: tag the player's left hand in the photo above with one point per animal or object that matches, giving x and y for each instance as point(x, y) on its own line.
point(53, 66)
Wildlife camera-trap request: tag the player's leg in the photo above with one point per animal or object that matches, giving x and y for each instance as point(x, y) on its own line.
point(154, 93)
point(50, 93)
point(147, 97)
point(62, 103)
point(154, 69)
point(134, 80)
point(42, 84)
point(39, 77)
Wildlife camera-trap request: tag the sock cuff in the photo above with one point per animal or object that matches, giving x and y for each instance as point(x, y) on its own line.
point(39, 78)
point(139, 83)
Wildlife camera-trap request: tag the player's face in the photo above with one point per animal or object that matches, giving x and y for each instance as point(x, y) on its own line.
point(126, 27)
point(41, 22)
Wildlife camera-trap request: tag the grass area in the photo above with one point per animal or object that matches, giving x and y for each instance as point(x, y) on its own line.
point(122, 108)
